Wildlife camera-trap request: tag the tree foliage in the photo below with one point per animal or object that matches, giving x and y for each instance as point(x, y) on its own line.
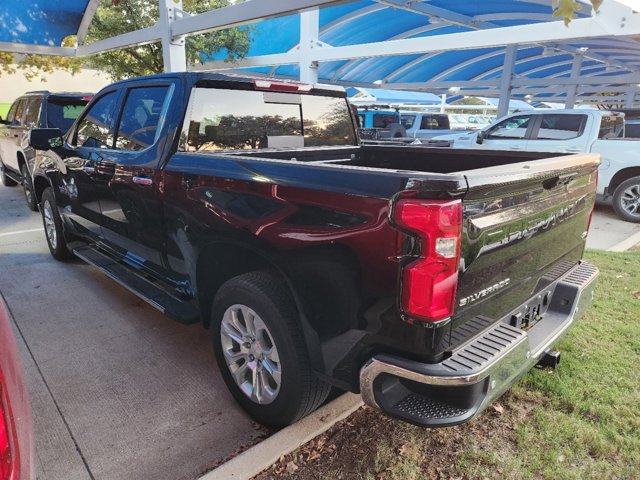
point(115, 18)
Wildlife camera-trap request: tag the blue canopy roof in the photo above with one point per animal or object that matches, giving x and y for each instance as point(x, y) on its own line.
point(367, 21)
point(40, 22)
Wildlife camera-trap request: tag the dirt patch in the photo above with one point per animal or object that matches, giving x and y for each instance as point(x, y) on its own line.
point(370, 445)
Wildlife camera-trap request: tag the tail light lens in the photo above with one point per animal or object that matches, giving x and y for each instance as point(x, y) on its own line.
point(6, 457)
point(429, 283)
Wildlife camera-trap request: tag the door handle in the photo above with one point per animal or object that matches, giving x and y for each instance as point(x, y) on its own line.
point(143, 180)
point(88, 169)
point(515, 148)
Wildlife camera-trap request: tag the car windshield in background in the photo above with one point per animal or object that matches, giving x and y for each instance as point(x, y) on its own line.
point(242, 120)
point(62, 112)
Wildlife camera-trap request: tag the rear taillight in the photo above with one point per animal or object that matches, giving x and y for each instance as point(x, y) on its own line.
point(429, 283)
point(6, 457)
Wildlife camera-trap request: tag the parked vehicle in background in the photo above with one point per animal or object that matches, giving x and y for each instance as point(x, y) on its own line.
point(572, 131)
point(428, 279)
point(33, 110)
point(631, 129)
point(426, 124)
point(465, 121)
point(377, 124)
point(16, 424)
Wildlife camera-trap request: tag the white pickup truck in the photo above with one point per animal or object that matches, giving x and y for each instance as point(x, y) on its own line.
point(571, 131)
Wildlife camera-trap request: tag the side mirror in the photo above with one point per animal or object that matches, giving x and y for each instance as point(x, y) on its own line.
point(45, 138)
point(3, 121)
point(480, 137)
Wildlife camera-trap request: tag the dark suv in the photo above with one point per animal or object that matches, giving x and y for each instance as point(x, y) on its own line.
point(40, 109)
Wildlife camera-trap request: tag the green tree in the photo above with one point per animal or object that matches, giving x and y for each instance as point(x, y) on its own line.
point(117, 17)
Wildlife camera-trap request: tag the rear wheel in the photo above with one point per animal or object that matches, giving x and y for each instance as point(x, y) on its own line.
point(261, 351)
point(4, 179)
point(626, 200)
point(53, 226)
point(27, 184)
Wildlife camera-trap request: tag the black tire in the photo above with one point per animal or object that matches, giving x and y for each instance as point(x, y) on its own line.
point(51, 219)
point(4, 179)
point(626, 200)
point(300, 391)
point(27, 184)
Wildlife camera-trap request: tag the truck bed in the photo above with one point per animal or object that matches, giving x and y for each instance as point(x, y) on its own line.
point(401, 158)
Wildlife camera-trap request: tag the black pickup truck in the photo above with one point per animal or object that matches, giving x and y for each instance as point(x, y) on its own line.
point(426, 279)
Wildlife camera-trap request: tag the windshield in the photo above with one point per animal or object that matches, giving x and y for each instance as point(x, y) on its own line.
point(62, 112)
point(243, 120)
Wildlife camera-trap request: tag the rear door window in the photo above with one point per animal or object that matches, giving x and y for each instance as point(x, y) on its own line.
point(561, 127)
point(96, 127)
point(513, 128)
point(62, 112)
point(20, 111)
point(33, 112)
point(140, 117)
point(611, 126)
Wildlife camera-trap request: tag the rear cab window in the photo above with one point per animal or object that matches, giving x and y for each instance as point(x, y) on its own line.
point(225, 119)
point(63, 111)
point(561, 127)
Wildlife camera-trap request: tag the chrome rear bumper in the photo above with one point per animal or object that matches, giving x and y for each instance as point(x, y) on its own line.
point(460, 387)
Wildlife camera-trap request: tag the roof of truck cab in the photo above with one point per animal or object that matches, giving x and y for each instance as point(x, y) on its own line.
point(195, 77)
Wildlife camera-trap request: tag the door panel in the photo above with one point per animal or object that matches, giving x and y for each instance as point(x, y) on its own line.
point(509, 134)
point(89, 147)
point(130, 206)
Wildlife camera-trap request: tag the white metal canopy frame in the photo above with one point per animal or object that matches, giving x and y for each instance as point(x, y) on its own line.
point(525, 51)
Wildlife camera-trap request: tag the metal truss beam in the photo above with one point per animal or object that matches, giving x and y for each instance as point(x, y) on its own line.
point(36, 49)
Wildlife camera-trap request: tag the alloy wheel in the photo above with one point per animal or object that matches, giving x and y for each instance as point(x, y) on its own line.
point(49, 224)
point(251, 354)
point(630, 200)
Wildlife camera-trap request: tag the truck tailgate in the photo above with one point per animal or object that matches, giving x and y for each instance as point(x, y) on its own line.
point(524, 225)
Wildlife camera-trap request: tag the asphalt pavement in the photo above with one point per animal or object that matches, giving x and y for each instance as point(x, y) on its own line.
point(118, 391)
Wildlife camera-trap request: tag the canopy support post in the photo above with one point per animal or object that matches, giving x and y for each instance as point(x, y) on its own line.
point(309, 36)
point(576, 67)
point(631, 97)
point(174, 56)
point(505, 80)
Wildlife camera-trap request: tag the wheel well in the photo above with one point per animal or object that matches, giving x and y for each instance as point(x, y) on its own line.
point(39, 186)
point(214, 269)
point(621, 176)
point(324, 282)
point(21, 161)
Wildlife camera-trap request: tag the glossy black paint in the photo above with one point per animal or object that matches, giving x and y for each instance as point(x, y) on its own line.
point(319, 217)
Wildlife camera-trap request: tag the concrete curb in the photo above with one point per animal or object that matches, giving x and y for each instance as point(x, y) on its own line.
point(261, 456)
point(625, 245)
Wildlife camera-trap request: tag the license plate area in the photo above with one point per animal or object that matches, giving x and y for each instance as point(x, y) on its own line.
point(532, 312)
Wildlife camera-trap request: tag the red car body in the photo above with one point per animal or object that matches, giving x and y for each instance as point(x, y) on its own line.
point(16, 425)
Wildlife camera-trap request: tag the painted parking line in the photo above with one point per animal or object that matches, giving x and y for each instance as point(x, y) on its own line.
point(18, 232)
